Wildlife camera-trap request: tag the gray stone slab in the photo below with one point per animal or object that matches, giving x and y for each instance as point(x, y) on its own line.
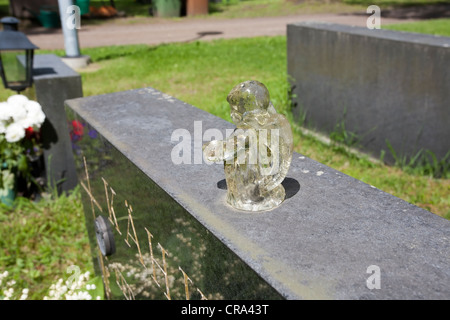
point(50, 66)
point(317, 245)
point(55, 82)
point(384, 86)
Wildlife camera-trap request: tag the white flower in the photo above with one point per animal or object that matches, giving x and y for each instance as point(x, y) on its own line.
point(31, 105)
point(2, 126)
point(17, 99)
point(17, 111)
point(11, 283)
point(81, 295)
point(90, 287)
point(26, 122)
point(24, 295)
point(8, 293)
point(14, 132)
point(5, 111)
point(39, 118)
point(35, 116)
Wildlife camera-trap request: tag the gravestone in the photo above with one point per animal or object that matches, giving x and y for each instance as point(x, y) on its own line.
point(55, 82)
point(175, 237)
point(384, 89)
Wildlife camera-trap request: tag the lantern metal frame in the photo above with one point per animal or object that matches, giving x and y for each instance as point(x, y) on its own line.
point(13, 40)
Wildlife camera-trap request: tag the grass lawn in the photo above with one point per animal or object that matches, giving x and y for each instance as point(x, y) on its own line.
point(438, 27)
point(260, 8)
point(393, 2)
point(39, 241)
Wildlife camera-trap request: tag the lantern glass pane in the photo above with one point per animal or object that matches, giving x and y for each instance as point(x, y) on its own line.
point(14, 66)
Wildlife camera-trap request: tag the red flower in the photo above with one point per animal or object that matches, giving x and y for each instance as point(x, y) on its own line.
point(29, 132)
point(77, 128)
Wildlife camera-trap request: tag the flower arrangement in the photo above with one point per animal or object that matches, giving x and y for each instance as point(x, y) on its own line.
point(20, 123)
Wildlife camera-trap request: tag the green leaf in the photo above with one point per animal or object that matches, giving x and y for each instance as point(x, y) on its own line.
point(22, 163)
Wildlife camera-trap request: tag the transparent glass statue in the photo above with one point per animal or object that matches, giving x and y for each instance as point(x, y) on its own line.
point(257, 155)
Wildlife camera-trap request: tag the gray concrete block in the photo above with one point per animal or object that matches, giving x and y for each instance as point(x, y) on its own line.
point(321, 243)
point(55, 82)
point(383, 85)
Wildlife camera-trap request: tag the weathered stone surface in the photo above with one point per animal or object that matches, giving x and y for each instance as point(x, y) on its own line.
point(318, 244)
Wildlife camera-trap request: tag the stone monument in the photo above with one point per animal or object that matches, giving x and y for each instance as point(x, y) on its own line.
point(162, 230)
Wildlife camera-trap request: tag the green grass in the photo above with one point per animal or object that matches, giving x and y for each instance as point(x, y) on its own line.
point(200, 73)
point(393, 2)
point(40, 240)
point(438, 27)
point(264, 8)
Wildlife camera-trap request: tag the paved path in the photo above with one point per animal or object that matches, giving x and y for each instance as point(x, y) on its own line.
point(184, 30)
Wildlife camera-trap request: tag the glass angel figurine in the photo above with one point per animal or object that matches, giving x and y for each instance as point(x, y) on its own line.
point(257, 155)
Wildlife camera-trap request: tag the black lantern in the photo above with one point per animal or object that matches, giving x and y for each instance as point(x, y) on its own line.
point(16, 56)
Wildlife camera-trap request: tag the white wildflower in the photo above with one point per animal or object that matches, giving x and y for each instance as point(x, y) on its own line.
point(8, 293)
point(81, 295)
point(58, 291)
point(11, 283)
point(24, 295)
point(90, 287)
